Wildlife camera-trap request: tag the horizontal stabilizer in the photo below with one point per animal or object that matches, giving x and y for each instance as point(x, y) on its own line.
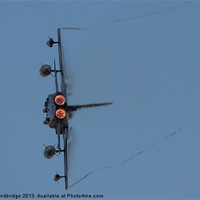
point(77, 107)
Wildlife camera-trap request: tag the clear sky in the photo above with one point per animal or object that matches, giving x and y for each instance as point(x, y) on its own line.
point(147, 64)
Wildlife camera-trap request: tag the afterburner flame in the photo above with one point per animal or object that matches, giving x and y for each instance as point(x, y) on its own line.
point(60, 113)
point(60, 100)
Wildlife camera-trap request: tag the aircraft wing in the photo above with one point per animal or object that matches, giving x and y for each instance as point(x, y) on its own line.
point(65, 157)
point(62, 64)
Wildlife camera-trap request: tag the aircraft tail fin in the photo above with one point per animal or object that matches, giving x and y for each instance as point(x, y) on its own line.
point(77, 107)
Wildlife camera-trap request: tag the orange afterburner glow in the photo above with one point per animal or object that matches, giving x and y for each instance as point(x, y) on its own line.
point(60, 100)
point(60, 113)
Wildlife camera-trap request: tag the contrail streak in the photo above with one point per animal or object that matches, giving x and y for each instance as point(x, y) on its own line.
point(168, 136)
point(127, 19)
point(80, 179)
point(157, 142)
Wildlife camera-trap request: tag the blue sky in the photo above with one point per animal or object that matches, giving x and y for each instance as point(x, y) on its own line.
point(148, 65)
